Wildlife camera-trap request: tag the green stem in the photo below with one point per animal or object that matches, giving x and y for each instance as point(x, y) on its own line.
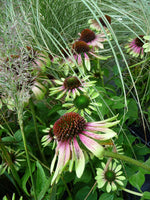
point(100, 72)
point(132, 192)
point(36, 130)
point(143, 61)
point(26, 151)
point(127, 159)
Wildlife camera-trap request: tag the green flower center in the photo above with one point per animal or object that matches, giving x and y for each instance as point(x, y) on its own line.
point(80, 47)
point(68, 126)
point(110, 175)
point(87, 35)
point(139, 42)
point(102, 21)
point(71, 83)
point(81, 101)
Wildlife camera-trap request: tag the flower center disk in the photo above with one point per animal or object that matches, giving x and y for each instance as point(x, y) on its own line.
point(87, 35)
point(81, 101)
point(80, 47)
point(110, 175)
point(138, 42)
point(71, 83)
point(68, 126)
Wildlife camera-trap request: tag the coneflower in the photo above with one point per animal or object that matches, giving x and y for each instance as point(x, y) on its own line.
point(110, 176)
point(94, 24)
point(135, 46)
point(92, 39)
point(70, 86)
point(69, 131)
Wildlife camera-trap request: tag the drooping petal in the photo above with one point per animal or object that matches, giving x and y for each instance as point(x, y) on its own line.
point(92, 145)
point(79, 59)
point(61, 94)
point(87, 62)
point(72, 156)
point(79, 159)
point(67, 153)
point(60, 163)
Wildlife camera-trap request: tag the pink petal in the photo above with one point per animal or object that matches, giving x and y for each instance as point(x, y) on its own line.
point(98, 136)
point(79, 59)
point(92, 145)
point(67, 153)
point(60, 163)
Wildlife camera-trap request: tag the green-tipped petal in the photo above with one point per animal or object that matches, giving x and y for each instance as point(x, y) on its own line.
point(79, 159)
point(92, 145)
point(108, 187)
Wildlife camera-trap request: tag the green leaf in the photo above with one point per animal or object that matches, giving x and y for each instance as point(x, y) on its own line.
point(83, 192)
point(26, 177)
point(106, 196)
point(144, 171)
point(146, 195)
point(132, 113)
point(54, 109)
point(137, 180)
point(41, 178)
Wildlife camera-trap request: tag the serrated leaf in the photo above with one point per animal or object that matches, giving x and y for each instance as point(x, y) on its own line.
point(40, 178)
point(137, 180)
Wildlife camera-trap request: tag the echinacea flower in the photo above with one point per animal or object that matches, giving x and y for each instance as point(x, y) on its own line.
point(135, 46)
point(16, 158)
point(110, 176)
point(70, 130)
point(83, 103)
point(94, 25)
point(71, 86)
point(92, 39)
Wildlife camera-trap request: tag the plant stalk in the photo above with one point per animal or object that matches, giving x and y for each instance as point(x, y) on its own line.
point(126, 159)
point(132, 192)
point(36, 130)
point(26, 151)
